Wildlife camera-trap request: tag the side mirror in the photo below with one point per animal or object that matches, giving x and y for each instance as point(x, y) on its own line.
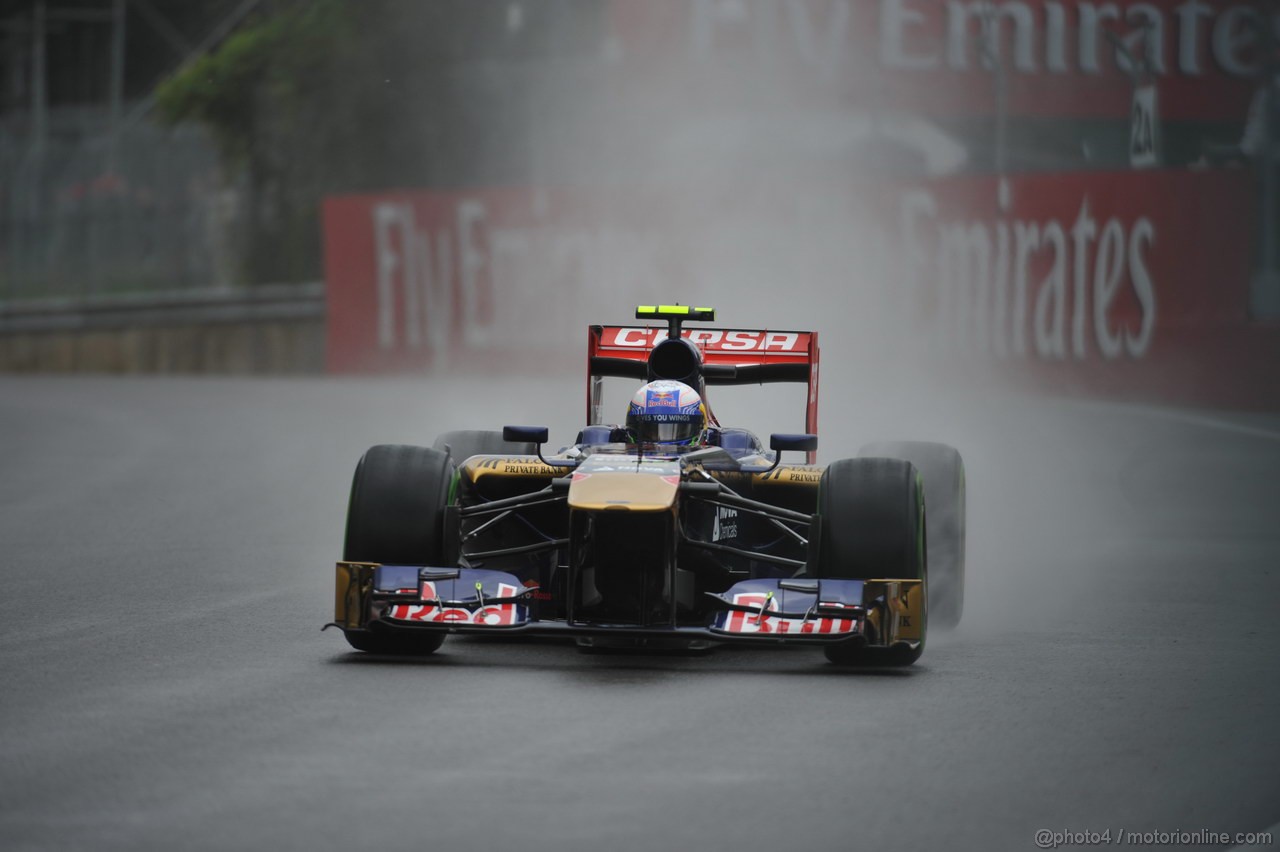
point(525, 434)
point(781, 442)
point(784, 442)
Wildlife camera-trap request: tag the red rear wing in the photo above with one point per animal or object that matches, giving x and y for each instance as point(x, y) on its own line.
point(733, 356)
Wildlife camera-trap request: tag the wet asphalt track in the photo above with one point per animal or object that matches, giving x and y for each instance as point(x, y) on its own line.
point(167, 550)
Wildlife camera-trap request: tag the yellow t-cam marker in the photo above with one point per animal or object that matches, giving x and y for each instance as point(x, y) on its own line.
point(665, 311)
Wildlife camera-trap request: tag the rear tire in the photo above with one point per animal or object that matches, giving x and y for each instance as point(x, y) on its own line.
point(396, 517)
point(464, 444)
point(873, 526)
point(944, 496)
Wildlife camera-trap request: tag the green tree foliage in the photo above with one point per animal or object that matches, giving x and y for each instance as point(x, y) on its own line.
point(314, 97)
point(287, 97)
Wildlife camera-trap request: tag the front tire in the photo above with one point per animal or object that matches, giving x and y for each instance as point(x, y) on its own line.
point(396, 517)
point(942, 470)
point(396, 512)
point(872, 526)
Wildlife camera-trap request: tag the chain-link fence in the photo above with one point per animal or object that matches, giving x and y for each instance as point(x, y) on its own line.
point(75, 224)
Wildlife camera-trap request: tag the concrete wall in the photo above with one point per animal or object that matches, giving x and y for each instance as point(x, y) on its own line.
point(278, 329)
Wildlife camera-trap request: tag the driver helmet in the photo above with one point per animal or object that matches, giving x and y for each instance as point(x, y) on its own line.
point(667, 414)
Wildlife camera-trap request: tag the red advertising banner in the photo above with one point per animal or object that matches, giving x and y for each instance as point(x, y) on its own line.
point(1133, 282)
point(416, 277)
point(1058, 58)
point(1077, 267)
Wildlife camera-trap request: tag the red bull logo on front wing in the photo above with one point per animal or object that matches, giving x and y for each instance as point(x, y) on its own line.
point(500, 615)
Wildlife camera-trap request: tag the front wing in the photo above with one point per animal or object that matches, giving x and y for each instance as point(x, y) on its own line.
point(410, 598)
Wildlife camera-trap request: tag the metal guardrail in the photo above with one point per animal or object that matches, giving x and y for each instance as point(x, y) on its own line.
point(273, 302)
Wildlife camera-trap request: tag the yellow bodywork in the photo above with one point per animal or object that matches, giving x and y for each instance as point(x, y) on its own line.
point(631, 492)
point(353, 582)
point(791, 475)
point(906, 599)
point(478, 467)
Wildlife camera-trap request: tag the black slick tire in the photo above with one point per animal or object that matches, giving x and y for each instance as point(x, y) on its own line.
point(873, 526)
point(942, 470)
point(396, 517)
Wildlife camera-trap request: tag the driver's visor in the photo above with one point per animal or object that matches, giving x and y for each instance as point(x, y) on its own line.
point(665, 428)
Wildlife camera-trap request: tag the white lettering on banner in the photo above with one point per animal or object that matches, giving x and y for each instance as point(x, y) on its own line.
point(828, 56)
point(1050, 337)
point(895, 18)
point(825, 36)
point(1144, 234)
point(819, 41)
point(1189, 15)
point(1001, 295)
point(1106, 283)
point(494, 273)
point(1147, 39)
point(1144, 129)
point(1092, 21)
point(1055, 48)
point(1026, 238)
point(473, 261)
point(1084, 232)
point(985, 298)
point(960, 16)
point(916, 207)
point(388, 219)
point(1233, 37)
point(409, 296)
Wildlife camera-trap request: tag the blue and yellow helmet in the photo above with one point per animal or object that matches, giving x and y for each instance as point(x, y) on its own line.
point(667, 414)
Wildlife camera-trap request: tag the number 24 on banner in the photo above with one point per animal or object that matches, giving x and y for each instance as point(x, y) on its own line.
point(1144, 133)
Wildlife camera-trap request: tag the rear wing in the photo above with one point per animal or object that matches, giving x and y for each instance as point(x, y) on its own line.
point(731, 356)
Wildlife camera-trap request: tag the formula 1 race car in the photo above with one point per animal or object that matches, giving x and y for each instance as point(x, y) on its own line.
point(623, 540)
